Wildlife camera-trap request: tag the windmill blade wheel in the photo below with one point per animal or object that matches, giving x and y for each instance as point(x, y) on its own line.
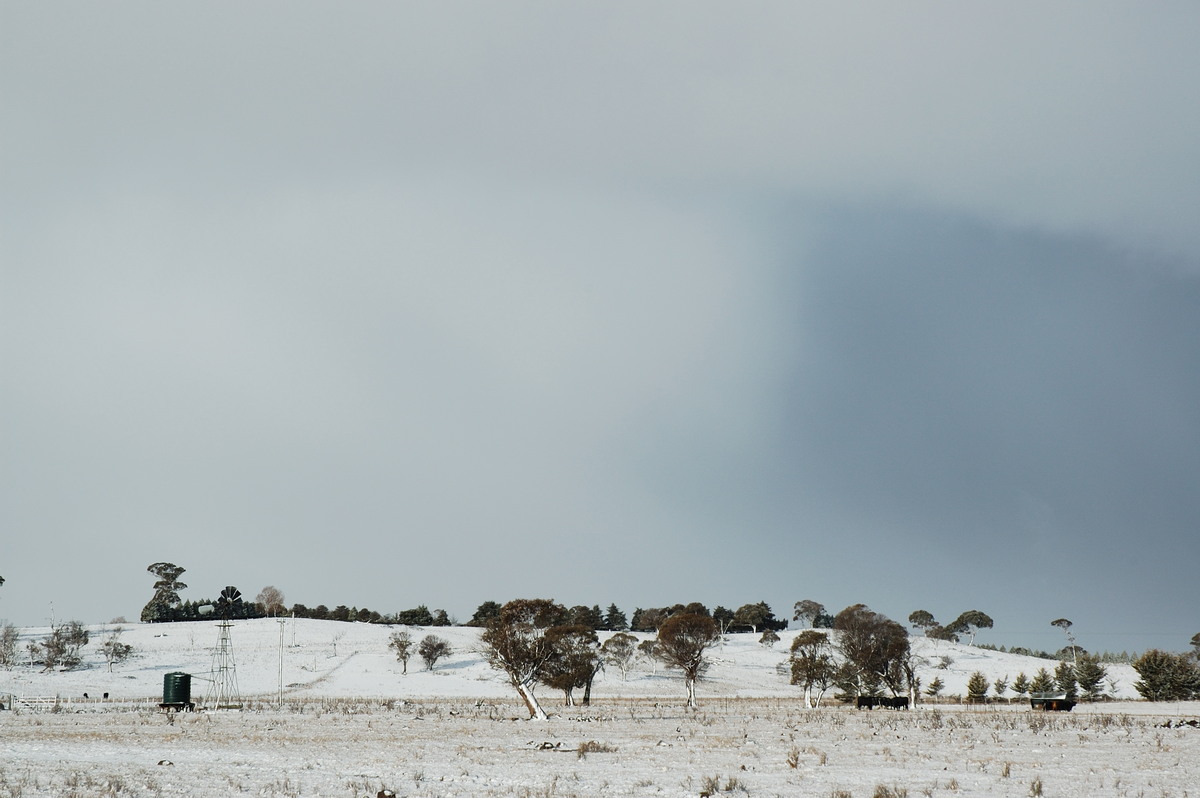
point(230, 597)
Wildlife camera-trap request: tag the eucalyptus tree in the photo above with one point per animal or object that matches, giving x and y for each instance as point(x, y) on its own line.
point(166, 592)
point(515, 641)
point(683, 641)
point(875, 648)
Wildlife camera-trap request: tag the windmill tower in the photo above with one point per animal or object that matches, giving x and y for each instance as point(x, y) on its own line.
point(223, 690)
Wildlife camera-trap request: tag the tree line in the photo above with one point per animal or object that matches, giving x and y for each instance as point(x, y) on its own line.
point(541, 641)
point(166, 605)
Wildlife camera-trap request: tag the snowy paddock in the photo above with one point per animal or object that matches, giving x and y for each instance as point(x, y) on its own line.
point(735, 746)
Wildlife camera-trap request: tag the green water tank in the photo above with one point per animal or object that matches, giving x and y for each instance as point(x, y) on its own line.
point(177, 688)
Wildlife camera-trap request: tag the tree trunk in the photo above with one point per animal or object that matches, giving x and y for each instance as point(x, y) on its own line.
point(587, 691)
point(531, 703)
point(568, 697)
point(690, 681)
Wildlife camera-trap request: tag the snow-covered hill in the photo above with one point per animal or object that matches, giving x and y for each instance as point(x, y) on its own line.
point(334, 659)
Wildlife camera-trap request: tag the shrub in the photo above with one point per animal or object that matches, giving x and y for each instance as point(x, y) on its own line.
point(432, 649)
point(402, 642)
point(62, 647)
point(8, 645)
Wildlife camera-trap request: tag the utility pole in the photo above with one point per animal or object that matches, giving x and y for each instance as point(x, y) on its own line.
point(281, 622)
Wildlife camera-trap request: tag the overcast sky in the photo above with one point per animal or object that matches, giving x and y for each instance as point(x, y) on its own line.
point(389, 304)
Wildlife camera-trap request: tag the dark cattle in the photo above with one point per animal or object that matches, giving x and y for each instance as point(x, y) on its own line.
point(871, 701)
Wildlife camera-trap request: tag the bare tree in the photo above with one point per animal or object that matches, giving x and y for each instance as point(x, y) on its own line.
point(515, 642)
point(682, 643)
point(648, 650)
point(402, 642)
point(62, 647)
point(270, 601)
point(432, 649)
point(1065, 625)
point(115, 652)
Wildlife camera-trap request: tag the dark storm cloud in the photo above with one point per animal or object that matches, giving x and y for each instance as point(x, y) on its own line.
point(959, 370)
point(966, 411)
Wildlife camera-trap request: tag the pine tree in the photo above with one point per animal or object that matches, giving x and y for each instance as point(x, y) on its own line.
point(1042, 682)
point(1000, 686)
point(1167, 677)
point(484, 613)
point(977, 687)
point(1090, 675)
point(1020, 685)
point(615, 620)
point(1064, 677)
point(935, 687)
point(723, 616)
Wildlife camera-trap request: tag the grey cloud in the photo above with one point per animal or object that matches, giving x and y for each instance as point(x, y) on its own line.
point(360, 290)
point(1075, 122)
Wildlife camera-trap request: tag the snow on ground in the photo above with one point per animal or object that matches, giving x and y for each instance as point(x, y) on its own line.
point(352, 724)
point(638, 747)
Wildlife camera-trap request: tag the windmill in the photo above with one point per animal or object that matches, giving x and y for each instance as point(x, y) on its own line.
point(223, 689)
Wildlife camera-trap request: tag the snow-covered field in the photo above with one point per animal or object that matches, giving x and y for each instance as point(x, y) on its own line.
point(352, 724)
